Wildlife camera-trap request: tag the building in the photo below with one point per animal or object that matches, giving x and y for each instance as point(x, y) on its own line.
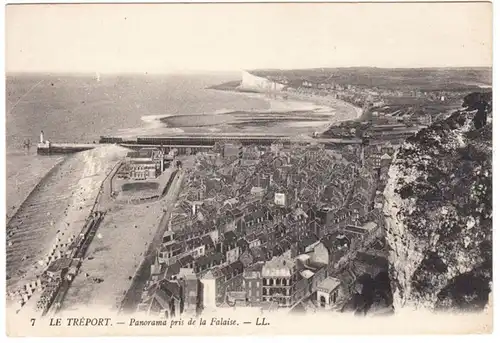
point(191, 293)
point(142, 170)
point(327, 293)
point(330, 250)
point(257, 191)
point(207, 262)
point(164, 299)
point(279, 278)
point(229, 247)
point(231, 150)
point(209, 291)
point(252, 284)
point(363, 234)
point(314, 272)
point(280, 199)
point(59, 268)
point(170, 252)
point(147, 163)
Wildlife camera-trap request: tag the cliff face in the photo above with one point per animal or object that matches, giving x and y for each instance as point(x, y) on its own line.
point(250, 82)
point(439, 214)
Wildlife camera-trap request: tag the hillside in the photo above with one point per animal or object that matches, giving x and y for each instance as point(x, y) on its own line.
point(439, 212)
point(425, 79)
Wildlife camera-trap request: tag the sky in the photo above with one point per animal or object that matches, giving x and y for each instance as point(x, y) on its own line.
point(175, 37)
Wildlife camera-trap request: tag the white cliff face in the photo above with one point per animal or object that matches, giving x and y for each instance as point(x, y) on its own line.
point(438, 216)
point(405, 254)
point(252, 82)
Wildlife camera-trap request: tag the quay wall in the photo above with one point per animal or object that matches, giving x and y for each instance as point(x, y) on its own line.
point(61, 149)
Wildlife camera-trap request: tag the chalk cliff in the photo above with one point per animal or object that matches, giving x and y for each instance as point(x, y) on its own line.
point(438, 209)
point(250, 82)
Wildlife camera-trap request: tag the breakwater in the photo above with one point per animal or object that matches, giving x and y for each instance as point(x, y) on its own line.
point(62, 148)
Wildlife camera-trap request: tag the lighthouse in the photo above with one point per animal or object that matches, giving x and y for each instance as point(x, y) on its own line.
point(41, 137)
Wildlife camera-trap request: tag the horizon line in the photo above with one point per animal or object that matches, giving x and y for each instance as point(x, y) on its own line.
point(195, 71)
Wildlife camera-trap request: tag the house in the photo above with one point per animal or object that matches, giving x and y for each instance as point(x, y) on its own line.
point(187, 261)
point(208, 243)
point(278, 232)
point(231, 151)
point(260, 254)
point(297, 221)
point(191, 287)
point(252, 284)
point(317, 227)
point(358, 209)
point(325, 215)
point(257, 191)
point(252, 240)
point(262, 181)
point(220, 280)
point(168, 237)
point(246, 258)
point(206, 262)
point(254, 218)
point(330, 250)
point(314, 272)
point(242, 244)
point(169, 252)
point(307, 243)
point(165, 300)
point(328, 292)
point(157, 269)
point(195, 246)
point(279, 279)
point(229, 246)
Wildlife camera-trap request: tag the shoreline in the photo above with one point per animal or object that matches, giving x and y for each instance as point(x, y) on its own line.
point(311, 103)
point(68, 193)
point(287, 113)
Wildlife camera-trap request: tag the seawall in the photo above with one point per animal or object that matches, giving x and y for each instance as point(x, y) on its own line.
point(62, 148)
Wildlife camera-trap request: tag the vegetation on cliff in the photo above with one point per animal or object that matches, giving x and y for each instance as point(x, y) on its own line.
point(440, 224)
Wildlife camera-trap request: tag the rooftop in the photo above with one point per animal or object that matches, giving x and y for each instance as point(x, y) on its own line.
point(355, 229)
point(370, 226)
point(329, 284)
point(59, 264)
point(279, 266)
point(306, 274)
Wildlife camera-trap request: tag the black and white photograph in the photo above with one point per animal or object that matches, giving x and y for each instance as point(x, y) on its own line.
point(248, 168)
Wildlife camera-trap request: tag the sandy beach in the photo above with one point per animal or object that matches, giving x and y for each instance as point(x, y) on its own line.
point(113, 256)
point(297, 114)
point(55, 212)
point(116, 254)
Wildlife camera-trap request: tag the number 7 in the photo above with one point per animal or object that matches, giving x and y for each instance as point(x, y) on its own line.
point(32, 321)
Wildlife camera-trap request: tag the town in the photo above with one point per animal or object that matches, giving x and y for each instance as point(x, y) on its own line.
point(276, 227)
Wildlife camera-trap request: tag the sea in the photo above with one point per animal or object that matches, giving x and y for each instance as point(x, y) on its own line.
point(81, 108)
